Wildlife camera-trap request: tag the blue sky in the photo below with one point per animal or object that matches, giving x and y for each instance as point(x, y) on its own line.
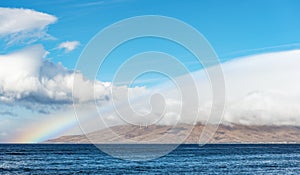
point(233, 28)
point(35, 90)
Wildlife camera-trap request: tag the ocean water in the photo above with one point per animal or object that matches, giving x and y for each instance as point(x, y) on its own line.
point(186, 159)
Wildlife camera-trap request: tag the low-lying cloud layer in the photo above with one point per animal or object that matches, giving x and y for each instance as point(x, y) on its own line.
point(264, 89)
point(260, 89)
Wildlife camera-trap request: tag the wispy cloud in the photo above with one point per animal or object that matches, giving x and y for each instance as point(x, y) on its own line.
point(99, 3)
point(95, 3)
point(24, 25)
point(268, 49)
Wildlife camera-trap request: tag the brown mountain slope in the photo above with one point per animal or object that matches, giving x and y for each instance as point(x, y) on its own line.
point(168, 134)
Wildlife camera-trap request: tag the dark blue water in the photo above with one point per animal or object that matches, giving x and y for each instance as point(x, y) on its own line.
point(186, 159)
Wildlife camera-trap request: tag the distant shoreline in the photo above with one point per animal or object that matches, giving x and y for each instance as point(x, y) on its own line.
point(44, 143)
point(187, 134)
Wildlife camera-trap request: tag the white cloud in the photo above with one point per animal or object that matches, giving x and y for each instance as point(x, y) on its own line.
point(27, 80)
point(261, 89)
point(68, 46)
point(264, 89)
point(24, 25)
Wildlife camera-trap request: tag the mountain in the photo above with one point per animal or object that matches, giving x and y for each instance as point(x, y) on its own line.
point(168, 134)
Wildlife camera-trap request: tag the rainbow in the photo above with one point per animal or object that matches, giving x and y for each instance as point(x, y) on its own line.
point(47, 128)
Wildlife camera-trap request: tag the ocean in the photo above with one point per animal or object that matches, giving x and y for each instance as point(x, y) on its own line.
point(186, 159)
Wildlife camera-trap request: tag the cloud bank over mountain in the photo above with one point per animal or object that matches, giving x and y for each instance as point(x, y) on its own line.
point(260, 89)
point(264, 89)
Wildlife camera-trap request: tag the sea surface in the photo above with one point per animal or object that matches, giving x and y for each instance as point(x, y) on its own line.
point(186, 159)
